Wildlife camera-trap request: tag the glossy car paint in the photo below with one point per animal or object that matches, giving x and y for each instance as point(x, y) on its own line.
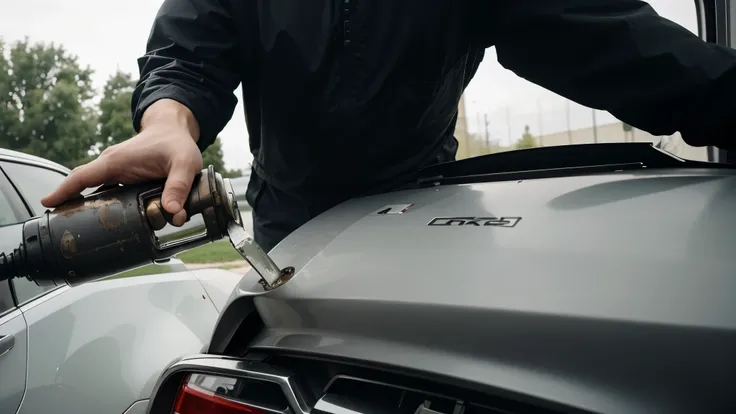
point(13, 348)
point(218, 284)
point(99, 347)
point(614, 293)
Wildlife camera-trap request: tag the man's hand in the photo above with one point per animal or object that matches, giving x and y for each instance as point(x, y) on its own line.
point(165, 148)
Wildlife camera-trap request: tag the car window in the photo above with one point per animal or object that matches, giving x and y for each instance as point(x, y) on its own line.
point(6, 300)
point(34, 183)
point(10, 237)
point(7, 214)
point(11, 213)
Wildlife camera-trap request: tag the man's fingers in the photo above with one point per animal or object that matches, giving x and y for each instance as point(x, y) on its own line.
point(89, 175)
point(179, 218)
point(176, 189)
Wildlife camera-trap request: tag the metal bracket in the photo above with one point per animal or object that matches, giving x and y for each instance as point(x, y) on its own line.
point(271, 275)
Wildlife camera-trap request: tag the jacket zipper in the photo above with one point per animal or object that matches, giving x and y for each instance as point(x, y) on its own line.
point(346, 22)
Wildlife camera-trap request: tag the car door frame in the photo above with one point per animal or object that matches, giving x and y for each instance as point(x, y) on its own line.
point(715, 19)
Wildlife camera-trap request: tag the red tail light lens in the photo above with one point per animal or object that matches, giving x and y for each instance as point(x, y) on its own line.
point(209, 394)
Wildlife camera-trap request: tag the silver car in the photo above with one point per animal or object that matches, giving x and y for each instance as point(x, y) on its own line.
point(100, 347)
point(582, 278)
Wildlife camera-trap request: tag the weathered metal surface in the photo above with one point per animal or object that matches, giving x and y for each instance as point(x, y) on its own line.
point(113, 230)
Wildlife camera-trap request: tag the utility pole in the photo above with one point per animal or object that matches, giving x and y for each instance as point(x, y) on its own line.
point(485, 125)
point(539, 116)
point(595, 127)
point(567, 112)
point(508, 124)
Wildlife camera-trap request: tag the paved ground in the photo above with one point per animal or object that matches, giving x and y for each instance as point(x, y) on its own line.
point(239, 267)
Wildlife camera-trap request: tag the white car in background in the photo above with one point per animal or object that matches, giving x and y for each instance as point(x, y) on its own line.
point(98, 348)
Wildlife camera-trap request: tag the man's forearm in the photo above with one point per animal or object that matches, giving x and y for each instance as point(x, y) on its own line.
point(168, 113)
point(190, 70)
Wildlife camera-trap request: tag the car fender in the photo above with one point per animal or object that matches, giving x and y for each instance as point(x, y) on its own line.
point(218, 283)
point(100, 347)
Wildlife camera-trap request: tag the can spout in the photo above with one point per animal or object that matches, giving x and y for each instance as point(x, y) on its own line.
point(271, 275)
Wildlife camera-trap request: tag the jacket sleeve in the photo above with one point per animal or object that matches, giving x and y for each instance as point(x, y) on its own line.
point(621, 56)
point(192, 56)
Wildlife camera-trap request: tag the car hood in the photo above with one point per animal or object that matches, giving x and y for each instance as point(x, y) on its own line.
point(600, 245)
point(641, 260)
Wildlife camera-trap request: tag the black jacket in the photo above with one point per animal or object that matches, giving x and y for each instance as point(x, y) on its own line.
point(340, 94)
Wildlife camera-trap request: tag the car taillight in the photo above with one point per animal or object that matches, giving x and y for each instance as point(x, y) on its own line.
point(200, 394)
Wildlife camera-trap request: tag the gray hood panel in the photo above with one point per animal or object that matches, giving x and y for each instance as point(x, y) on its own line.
point(618, 288)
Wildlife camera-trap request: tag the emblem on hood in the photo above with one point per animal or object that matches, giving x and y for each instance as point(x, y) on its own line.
point(393, 209)
point(475, 221)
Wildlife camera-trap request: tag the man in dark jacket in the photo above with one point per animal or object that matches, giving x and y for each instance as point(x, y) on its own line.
point(341, 95)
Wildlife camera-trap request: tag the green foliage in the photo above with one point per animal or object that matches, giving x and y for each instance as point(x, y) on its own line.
point(627, 127)
point(48, 109)
point(115, 112)
point(213, 156)
point(527, 140)
point(46, 99)
point(217, 252)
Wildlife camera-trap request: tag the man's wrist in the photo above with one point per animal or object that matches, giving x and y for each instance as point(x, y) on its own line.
point(168, 113)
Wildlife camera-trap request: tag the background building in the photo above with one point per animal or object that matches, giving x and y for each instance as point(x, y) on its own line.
point(473, 144)
point(461, 131)
point(614, 132)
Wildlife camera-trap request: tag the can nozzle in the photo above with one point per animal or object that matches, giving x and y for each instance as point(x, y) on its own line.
point(271, 275)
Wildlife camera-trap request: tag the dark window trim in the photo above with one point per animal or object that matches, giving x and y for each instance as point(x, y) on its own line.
point(714, 20)
point(7, 287)
point(22, 213)
point(34, 298)
point(16, 201)
point(17, 188)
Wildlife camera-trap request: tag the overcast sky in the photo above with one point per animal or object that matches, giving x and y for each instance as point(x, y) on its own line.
point(108, 34)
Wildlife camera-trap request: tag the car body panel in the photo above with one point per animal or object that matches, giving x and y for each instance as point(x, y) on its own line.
point(218, 283)
point(16, 156)
point(614, 292)
point(89, 351)
point(13, 348)
point(139, 407)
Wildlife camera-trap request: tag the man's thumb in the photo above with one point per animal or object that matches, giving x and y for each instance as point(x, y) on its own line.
point(176, 190)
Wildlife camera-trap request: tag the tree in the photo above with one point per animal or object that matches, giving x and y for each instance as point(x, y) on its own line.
point(628, 132)
point(47, 107)
point(527, 140)
point(213, 156)
point(115, 113)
